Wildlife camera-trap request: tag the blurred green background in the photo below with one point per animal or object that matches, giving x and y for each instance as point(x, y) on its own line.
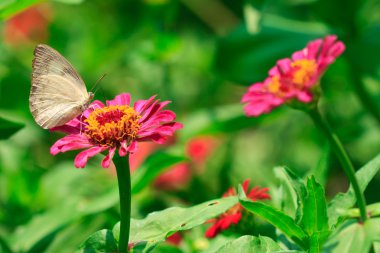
point(201, 55)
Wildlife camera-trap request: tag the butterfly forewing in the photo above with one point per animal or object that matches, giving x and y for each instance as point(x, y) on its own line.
point(47, 61)
point(58, 94)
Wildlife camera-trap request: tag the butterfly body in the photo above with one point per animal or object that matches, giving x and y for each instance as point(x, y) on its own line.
point(58, 94)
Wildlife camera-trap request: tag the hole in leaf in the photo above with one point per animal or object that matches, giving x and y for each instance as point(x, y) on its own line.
point(213, 203)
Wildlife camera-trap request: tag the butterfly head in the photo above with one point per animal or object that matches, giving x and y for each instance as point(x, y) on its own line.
point(88, 102)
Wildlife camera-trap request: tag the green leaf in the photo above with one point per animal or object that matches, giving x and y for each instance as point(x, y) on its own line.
point(287, 198)
point(376, 247)
point(297, 183)
point(7, 128)
point(9, 8)
point(248, 243)
point(166, 248)
point(344, 201)
point(70, 1)
point(353, 237)
point(64, 241)
point(100, 241)
point(153, 166)
point(12, 7)
point(277, 218)
point(314, 219)
point(73, 195)
point(157, 226)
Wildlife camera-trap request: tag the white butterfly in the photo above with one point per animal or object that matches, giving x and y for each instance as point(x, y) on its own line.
point(58, 94)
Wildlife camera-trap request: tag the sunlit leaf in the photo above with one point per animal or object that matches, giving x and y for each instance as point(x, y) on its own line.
point(70, 1)
point(157, 226)
point(10, 8)
point(167, 248)
point(247, 244)
point(353, 237)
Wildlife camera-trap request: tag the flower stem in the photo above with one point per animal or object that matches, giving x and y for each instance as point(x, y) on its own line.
point(343, 158)
point(124, 181)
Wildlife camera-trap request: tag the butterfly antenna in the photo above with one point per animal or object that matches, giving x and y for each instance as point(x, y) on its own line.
point(104, 97)
point(96, 85)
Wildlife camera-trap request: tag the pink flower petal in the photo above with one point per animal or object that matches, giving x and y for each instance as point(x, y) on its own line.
point(211, 232)
point(122, 99)
point(82, 158)
point(152, 110)
point(283, 66)
point(160, 133)
point(123, 148)
point(304, 96)
point(259, 108)
point(71, 127)
point(108, 158)
point(132, 147)
point(245, 185)
point(141, 105)
point(70, 142)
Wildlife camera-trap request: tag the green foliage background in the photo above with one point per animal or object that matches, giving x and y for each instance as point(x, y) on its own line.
point(201, 55)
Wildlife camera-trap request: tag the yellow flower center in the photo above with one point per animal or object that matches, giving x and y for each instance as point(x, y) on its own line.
point(274, 85)
point(305, 69)
point(111, 125)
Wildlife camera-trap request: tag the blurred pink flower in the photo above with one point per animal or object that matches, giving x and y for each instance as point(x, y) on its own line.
point(293, 79)
point(174, 178)
point(175, 239)
point(198, 150)
point(116, 126)
point(29, 26)
point(234, 214)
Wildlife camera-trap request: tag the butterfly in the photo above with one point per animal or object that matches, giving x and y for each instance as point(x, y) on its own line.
point(58, 94)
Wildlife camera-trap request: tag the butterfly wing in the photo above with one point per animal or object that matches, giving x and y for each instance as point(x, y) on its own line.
point(58, 94)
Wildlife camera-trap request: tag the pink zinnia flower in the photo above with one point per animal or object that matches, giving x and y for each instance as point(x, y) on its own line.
point(116, 126)
point(234, 214)
point(293, 79)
